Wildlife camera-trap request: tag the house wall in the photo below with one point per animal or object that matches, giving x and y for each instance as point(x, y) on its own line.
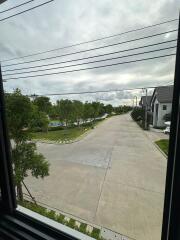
point(158, 116)
point(161, 113)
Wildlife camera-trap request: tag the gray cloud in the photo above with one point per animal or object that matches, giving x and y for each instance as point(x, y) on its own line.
point(61, 23)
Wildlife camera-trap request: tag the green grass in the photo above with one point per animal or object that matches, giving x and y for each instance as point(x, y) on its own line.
point(83, 227)
point(60, 135)
point(163, 144)
point(64, 134)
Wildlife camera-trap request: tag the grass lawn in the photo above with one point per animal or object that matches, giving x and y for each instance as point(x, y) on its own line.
point(163, 144)
point(60, 135)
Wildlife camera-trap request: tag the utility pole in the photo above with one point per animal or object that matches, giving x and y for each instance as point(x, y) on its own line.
point(146, 109)
point(136, 100)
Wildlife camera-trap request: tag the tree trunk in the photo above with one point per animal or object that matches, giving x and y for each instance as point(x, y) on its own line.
point(66, 122)
point(19, 192)
point(78, 123)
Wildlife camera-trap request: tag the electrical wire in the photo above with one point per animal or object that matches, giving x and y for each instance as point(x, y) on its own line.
point(85, 58)
point(95, 40)
point(27, 10)
point(89, 68)
point(97, 91)
point(22, 4)
point(96, 61)
point(92, 49)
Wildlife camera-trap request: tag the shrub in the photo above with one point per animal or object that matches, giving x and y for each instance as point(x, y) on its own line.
point(95, 233)
point(51, 214)
point(83, 227)
point(56, 128)
point(71, 223)
point(60, 218)
point(138, 115)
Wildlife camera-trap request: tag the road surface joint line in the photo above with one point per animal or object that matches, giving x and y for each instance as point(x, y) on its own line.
point(141, 188)
point(109, 155)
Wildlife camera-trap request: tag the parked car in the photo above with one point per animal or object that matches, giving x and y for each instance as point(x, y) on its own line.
point(167, 130)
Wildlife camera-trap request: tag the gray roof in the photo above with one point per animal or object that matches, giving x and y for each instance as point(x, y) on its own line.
point(143, 100)
point(164, 94)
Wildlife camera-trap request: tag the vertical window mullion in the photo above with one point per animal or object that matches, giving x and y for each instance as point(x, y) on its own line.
point(171, 217)
point(8, 199)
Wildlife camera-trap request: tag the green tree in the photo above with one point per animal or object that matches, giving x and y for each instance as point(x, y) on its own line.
point(101, 109)
point(54, 112)
point(96, 109)
point(26, 160)
point(109, 108)
point(24, 155)
point(39, 120)
point(65, 109)
point(78, 108)
point(43, 103)
point(19, 115)
point(87, 111)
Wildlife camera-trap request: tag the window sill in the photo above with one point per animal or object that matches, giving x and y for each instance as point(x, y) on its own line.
point(26, 224)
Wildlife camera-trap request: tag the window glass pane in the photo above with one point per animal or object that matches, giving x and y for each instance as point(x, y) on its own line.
point(164, 107)
point(89, 126)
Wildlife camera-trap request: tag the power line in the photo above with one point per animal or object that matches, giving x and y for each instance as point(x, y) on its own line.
point(97, 91)
point(89, 68)
point(85, 58)
point(6, 10)
point(96, 61)
point(27, 10)
point(95, 40)
point(92, 49)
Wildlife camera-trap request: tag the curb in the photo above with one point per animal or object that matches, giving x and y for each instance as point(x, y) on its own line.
point(160, 150)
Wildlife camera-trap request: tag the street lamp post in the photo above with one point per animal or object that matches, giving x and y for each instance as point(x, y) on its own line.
point(136, 100)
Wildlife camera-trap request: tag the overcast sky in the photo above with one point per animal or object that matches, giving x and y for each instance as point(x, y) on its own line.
point(66, 22)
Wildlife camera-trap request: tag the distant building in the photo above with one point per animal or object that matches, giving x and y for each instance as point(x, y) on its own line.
point(161, 104)
point(143, 100)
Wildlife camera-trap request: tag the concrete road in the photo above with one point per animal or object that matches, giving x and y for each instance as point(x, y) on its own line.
point(114, 177)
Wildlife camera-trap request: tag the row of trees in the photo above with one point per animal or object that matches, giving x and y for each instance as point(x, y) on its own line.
point(68, 111)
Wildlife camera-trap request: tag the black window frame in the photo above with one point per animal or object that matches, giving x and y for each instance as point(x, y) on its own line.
point(15, 225)
point(164, 107)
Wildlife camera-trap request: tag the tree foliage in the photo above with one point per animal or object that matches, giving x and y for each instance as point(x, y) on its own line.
point(65, 109)
point(39, 120)
point(20, 116)
point(138, 115)
point(43, 104)
point(78, 109)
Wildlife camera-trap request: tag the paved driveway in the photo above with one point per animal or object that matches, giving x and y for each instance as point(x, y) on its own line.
point(114, 177)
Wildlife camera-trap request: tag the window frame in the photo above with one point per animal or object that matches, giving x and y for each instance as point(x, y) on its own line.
point(171, 214)
point(15, 225)
point(164, 108)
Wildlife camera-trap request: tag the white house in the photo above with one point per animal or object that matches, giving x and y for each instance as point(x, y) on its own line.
point(161, 104)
